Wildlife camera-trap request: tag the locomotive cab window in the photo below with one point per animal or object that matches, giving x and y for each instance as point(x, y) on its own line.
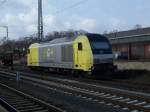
point(28, 51)
point(80, 47)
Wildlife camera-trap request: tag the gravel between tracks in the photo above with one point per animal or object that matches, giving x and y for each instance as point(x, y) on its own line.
point(70, 103)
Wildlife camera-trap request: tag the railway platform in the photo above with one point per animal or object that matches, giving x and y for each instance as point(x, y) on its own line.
point(132, 65)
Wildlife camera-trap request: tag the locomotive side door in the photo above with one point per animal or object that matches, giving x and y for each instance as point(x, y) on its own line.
point(78, 55)
point(83, 57)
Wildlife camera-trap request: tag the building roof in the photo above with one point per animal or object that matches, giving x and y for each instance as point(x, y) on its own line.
point(130, 33)
point(130, 36)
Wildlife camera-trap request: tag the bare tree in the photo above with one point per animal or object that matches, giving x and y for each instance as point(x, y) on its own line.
point(137, 26)
point(105, 32)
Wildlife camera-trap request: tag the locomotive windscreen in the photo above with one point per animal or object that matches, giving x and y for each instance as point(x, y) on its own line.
point(99, 44)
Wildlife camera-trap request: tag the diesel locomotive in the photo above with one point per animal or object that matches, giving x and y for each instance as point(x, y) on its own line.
point(89, 54)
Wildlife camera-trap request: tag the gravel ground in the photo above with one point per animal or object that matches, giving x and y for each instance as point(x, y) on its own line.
point(2, 109)
point(70, 103)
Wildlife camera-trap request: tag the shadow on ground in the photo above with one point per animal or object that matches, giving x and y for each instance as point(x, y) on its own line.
point(131, 74)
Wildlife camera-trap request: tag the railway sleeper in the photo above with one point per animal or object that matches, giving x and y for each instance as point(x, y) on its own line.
point(15, 100)
point(19, 103)
point(141, 103)
point(124, 104)
point(46, 110)
point(78, 91)
point(131, 96)
point(32, 109)
point(27, 107)
point(114, 102)
point(24, 99)
point(28, 104)
point(12, 97)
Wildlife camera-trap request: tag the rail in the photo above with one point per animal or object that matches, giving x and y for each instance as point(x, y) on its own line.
point(130, 100)
point(17, 101)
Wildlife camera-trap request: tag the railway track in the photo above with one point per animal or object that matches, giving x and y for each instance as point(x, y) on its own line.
point(123, 84)
point(16, 101)
point(117, 98)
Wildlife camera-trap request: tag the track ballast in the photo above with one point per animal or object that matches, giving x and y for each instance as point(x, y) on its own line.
point(123, 99)
point(16, 101)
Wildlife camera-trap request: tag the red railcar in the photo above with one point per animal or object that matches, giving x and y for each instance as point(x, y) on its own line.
point(137, 51)
point(134, 51)
point(147, 51)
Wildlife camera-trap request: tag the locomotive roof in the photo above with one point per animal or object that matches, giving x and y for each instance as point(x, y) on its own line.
point(55, 41)
point(91, 36)
point(59, 40)
point(71, 39)
point(62, 40)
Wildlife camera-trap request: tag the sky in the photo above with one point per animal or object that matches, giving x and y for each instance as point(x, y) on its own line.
point(94, 16)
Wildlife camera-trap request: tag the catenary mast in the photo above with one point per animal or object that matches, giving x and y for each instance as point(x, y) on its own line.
point(40, 21)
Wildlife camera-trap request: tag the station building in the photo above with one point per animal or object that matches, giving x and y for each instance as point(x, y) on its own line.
point(132, 44)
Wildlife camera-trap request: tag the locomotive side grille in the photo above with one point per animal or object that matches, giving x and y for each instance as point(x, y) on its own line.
point(67, 53)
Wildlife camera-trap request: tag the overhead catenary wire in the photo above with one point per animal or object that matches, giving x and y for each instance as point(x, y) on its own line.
point(70, 7)
point(57, 12)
